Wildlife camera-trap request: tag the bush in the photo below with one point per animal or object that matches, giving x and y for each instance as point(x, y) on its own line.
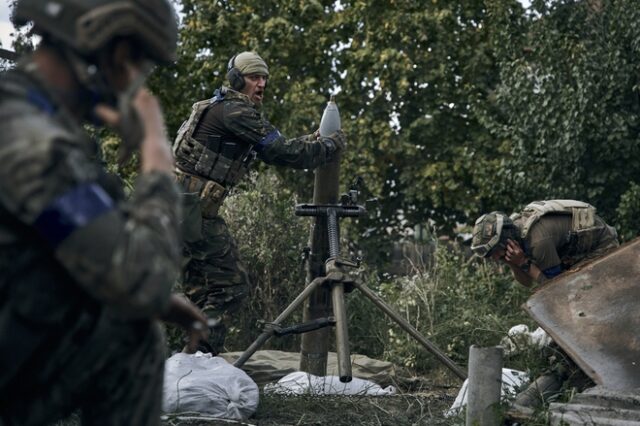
point(270, 239)
point(455, 302)
point(628, 213)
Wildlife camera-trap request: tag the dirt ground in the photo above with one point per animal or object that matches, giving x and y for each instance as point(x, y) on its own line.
point(422, 408)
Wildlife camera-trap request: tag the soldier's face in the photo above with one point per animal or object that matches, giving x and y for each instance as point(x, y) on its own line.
point(497, 253)
point(254, 85)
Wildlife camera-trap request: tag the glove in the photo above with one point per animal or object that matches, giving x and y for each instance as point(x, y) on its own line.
point(337, 141)
point(131, 132)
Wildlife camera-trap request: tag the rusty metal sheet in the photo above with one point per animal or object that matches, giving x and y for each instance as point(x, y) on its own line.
point(593, 314)
point(598, 406)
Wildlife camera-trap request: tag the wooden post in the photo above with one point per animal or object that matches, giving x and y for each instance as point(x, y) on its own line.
point(485, 384)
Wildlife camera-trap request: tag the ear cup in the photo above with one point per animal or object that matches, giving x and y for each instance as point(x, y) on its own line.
point(235, 77)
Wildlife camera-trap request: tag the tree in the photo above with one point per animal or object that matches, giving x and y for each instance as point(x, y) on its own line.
point(408, 75)
point(568, 105)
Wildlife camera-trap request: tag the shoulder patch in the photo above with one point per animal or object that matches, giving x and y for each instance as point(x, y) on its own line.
point(72, 210)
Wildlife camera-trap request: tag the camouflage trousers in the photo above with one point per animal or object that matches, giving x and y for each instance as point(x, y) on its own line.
point(213, 278)
point(109, 369)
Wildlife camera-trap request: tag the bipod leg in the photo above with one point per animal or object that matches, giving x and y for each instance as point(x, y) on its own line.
point(342, 332)
point(457, 370)
point(269, 331)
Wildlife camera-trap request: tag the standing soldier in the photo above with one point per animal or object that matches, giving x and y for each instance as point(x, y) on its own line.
point(84, 274)
point(214, 149)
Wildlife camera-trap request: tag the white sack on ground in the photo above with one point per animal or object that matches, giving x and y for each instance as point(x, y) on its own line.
point(206, 384)
point(512, 380)
point(301, 383)
point(519, 337)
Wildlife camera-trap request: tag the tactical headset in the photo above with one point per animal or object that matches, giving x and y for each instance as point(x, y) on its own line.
point(235, 77)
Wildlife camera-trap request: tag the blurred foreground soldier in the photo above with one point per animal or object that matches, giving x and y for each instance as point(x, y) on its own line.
point(214, 149)
point(541, 242)
point(545, 239)
point(84, 275)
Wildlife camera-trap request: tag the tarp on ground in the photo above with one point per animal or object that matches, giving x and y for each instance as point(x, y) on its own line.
point(269, 366)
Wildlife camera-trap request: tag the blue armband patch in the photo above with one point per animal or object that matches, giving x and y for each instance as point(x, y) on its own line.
point(38, 99)
point(267, 140)
point(72, 210)
point(553, 271)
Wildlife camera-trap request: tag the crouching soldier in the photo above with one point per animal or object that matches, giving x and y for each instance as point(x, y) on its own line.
point(540, 243)
point(545, 239)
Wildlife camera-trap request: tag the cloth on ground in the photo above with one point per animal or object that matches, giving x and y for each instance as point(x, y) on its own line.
point(519, 337)
point(301, 383)
point(512, 381)
point(269, 366)
point(205, 384)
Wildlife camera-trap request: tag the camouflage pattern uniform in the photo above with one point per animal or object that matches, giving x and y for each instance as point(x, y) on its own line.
point(83, 271)
point(214, 149)
point(548, 243)
point(554, 245)
point(554, 234)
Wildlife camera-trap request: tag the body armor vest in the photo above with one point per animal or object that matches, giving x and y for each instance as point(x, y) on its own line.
point(585, 230)
point(210, 169)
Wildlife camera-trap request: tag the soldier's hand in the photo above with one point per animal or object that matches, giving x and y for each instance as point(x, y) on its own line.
point(514, 254)
point(337, 141)
point(155, 151)
point(188, 316)
point(140, 123)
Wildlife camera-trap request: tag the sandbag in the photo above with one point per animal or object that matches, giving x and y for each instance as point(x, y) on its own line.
point(205, 384)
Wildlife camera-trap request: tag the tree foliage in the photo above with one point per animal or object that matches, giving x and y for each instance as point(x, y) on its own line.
point(408, 75)
point(452, 108)
point(568, 104)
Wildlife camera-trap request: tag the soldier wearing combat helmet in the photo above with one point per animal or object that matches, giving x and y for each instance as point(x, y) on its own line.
point(84, 274)
point(214, 149)
point(545, 239)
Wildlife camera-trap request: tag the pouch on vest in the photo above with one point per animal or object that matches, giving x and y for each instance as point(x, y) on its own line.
point(582, 214)
point(582, 241)
point(584, 232)
point(582, 218)
point(225, 160)
point(211, 197)
point(187, 153)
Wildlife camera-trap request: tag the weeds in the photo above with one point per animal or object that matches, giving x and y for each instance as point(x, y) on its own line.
point(452, 299)
point(400, 410)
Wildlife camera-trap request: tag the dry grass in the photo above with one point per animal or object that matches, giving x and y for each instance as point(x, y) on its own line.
point(425, 408)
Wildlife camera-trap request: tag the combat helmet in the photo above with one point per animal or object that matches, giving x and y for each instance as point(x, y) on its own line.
point(491, 230)
point(89, 25)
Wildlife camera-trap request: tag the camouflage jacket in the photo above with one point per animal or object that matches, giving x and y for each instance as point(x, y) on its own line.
point(244, 121)
point(65, 236)
point(232, 118)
